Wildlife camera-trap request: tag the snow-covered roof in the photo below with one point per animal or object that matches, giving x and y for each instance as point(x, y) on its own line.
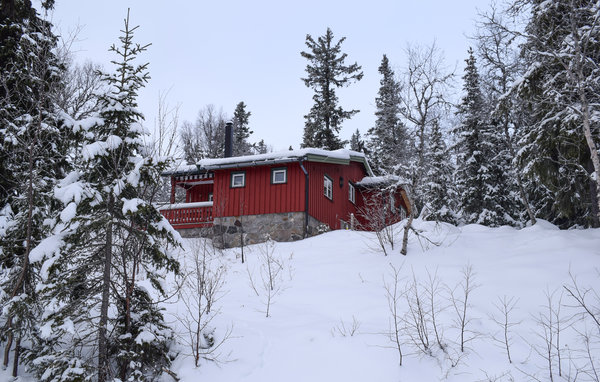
point(341, 156)
point(372, 181)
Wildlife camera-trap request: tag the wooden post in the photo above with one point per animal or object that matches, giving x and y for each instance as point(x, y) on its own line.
point(172, 200)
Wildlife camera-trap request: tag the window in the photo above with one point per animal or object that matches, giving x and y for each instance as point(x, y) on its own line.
point(210, 196)
point(238, 179)
point(351, 193)
point(279, 175)
point(328, 187)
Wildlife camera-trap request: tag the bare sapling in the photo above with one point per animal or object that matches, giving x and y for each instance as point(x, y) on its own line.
point(349, 329)
point(433, 289)
point(460, 299)
point(202, 288)
point(582, 297)
point(271, 270)
point(378, 216)
point(417, 319)
point(587, 305)
point(394, 295)
point(504, 307)
point(551, 325)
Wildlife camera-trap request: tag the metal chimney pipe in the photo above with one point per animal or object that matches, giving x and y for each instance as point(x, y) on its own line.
point(228, 139)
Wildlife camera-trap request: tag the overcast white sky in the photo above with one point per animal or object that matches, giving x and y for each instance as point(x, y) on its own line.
point(222, 52)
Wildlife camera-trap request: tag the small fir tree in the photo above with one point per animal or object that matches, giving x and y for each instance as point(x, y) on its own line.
point(356, 142)
point(108, 237)
point(439, 194)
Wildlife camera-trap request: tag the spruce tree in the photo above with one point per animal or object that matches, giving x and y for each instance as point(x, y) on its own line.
point(477, 178)
point(561, 88)
point(109, 236)
point(388, 141)
point(327, 71)
point(33, 151)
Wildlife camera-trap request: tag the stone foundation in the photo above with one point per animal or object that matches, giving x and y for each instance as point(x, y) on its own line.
point(196, 232)
point(232, 231)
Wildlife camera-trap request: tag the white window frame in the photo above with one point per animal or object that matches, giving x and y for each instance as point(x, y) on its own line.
point(235, 175)
point(328, 187)
point(276, 171)
point(351, 193)
point(210, 196)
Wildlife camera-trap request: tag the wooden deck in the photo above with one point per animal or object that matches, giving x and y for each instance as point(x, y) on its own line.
point(189, 215)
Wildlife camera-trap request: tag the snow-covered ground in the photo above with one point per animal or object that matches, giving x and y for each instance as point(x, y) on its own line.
point(331, 319)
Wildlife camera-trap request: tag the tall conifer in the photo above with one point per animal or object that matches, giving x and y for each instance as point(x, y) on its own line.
point(388, 141)
point(327, 71)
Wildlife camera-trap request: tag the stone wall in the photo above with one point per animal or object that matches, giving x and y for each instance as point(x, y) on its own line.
point(231, 230)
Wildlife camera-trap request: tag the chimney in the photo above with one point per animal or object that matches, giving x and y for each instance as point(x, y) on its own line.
point(228, 139)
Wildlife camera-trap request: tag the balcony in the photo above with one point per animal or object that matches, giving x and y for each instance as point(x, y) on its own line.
point(189, 215)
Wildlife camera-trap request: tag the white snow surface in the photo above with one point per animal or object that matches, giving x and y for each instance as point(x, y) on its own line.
point(375, 180)
point(338, 277)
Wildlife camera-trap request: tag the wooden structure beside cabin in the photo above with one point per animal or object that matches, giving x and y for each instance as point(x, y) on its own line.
point(285, 196)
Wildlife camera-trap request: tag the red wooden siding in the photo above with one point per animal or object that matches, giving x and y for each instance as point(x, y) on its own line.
point(198, 193)
point(322, 208)
point(259, 196)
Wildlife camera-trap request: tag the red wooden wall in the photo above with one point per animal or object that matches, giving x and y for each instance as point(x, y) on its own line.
point(198, 193)
point(322, 208)
point(259, 196)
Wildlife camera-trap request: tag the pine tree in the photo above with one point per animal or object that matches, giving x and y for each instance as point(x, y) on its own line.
point(559, 147)
point(388, 142)
point(34, 146)
point(326, 72)
point(439, 194)
point(241, 131)
point(108, 236)
point(480, 192)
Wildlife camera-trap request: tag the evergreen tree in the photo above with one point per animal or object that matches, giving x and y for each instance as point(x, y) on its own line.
point(241, 131)
point(326, 72)
point(439, 194)
point(388, 141)
point(109, 236)
point(356, 142)
point(32, 157)
point(480, 193)
point(559, 146)
point(501, 65)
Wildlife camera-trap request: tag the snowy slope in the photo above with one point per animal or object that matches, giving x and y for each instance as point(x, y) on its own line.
point(337, 278)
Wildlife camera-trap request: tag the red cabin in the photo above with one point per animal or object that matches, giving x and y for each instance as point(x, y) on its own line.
point(285, 196)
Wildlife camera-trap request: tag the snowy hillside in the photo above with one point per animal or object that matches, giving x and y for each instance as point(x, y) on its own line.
point(331, 319)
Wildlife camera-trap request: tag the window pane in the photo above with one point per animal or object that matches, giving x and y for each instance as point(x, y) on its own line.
point(237, 180)
point(279, 176)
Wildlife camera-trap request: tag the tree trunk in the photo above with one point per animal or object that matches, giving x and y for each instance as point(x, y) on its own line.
point(103, 365)
point(407, 228)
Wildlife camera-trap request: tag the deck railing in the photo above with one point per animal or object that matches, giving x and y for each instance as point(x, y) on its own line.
point(188, 215)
